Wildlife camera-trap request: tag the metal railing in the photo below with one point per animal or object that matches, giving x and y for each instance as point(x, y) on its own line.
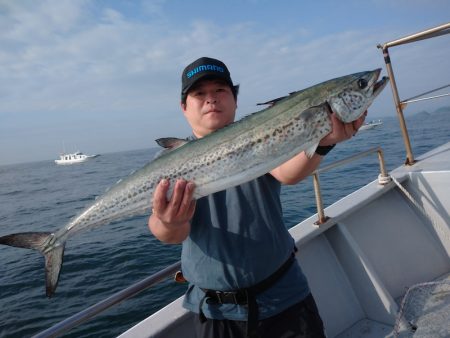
point(87, 314)
point(383, 178)
point(400, 105)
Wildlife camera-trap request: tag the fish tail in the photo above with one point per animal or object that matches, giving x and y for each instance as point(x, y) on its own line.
point(42, 242)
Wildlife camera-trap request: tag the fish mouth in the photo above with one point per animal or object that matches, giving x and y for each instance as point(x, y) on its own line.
point(378, 86)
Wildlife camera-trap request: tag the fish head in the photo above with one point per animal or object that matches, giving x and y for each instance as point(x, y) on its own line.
point(357, 94)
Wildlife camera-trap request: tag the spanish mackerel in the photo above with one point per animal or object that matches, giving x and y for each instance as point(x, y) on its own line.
point(230, 156)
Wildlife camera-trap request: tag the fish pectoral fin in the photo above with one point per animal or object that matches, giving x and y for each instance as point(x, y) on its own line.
point(53, 264)
point(171, 142)
point(310, 151)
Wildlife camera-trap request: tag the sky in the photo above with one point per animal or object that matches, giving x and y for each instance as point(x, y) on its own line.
point(104, 76)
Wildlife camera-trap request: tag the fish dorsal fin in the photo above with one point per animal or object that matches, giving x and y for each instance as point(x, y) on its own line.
point(171, 142)
point(272, 102)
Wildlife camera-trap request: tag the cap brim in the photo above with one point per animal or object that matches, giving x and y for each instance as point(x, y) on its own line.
point(207, 77)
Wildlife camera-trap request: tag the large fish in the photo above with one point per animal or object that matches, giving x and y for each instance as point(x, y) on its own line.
point(228, 157)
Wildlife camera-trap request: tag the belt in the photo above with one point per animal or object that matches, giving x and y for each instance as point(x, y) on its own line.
point(245, 296)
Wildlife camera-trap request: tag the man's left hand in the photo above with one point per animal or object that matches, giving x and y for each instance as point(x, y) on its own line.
point(342, 131)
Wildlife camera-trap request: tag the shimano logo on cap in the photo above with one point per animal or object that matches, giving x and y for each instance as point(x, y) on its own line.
point(203, 68)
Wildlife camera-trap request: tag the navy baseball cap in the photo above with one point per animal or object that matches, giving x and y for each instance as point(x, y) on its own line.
point(203, 67)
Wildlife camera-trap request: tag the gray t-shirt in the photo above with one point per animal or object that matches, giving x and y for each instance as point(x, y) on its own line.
point(237, 239)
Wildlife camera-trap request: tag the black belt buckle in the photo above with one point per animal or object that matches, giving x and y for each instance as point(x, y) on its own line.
point(224, 297)
point(219, 297)
point(234, 296)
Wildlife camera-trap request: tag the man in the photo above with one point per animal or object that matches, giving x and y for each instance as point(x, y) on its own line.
point(237, 254)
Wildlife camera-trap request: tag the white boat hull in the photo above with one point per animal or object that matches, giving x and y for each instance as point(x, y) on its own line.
point(73, 158)
point(370, 125)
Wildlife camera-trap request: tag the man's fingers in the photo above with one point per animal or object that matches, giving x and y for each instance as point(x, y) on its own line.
point(349, 130)
point(191, 209)
point(359, 122)
point(159, 196)
point(187, 198)
point(342, 131)
point(177, 196)
point(180, 206)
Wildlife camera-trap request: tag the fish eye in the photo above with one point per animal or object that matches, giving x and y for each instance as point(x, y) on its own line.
point(362, 83)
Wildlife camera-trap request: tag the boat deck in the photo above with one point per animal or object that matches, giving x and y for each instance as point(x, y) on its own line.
point(361, 262)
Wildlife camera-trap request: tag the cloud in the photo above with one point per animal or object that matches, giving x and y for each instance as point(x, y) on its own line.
point(86, 61)
point(64, 59)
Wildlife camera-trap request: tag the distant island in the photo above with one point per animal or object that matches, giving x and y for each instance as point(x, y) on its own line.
point(408, 114)
point(442, 110)
point(439, 111)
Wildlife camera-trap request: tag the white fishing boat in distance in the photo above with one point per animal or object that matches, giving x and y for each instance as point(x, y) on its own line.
point(73, 158)
point(371, 124)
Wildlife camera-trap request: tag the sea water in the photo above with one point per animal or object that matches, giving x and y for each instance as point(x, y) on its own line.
point(42, 196)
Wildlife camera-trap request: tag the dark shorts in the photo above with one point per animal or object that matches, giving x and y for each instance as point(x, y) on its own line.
point(300, 321)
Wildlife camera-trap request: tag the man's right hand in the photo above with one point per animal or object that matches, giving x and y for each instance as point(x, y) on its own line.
point(169, 221)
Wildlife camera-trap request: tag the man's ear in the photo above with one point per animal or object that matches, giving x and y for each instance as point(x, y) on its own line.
point(183, 107)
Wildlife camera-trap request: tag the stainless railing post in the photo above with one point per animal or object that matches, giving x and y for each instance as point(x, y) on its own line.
point(398, 106)
point(383, 172)
point(320, 212)
point(383, 178)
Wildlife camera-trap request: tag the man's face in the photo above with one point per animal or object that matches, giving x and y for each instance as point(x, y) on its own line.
point(210, 105)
